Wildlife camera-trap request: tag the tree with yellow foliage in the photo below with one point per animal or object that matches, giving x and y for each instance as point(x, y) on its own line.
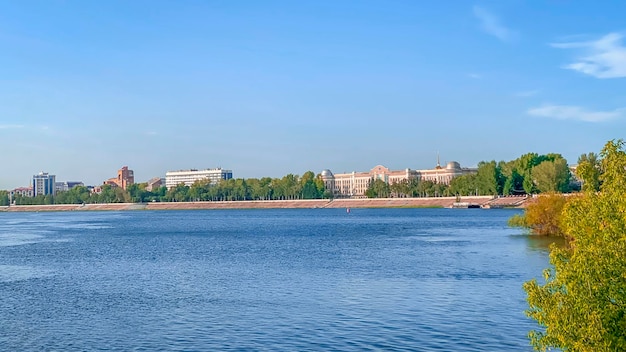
point(542, 216)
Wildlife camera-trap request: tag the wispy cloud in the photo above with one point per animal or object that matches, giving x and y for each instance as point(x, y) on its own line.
point(526, 93)
point(569, 112)
point(490, 23)
point(7, 127)
point(474, 75)
point(601, 58)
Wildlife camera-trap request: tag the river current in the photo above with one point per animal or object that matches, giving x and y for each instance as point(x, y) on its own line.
point(266, 280)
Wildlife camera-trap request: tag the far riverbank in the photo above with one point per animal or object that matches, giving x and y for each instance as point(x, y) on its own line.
point(434, 202)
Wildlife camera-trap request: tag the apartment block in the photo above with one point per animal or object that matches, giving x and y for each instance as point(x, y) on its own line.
point(125, 178)
point(188, 177)
point(44, 184)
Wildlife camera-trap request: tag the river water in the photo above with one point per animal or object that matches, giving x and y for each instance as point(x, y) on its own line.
point(266, 280)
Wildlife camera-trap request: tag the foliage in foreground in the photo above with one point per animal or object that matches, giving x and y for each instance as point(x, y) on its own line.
point(582, 304)
point(543, 215)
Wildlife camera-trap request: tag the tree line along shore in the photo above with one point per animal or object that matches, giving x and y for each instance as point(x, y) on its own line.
point(531, 173)
point(431, 202)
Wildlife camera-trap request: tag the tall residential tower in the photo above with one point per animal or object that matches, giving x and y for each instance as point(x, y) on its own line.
point(44, 184)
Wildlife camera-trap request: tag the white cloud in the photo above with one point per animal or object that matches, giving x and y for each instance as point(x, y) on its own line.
point(569, 112)
point(6, 127)
point(490, 23)
point(474, 75)
point(526, 94)
point(602, 58)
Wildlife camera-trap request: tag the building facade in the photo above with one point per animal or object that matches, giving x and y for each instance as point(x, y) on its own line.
point(188, 177)
point(44, 184)
point(354, 184)
point(155, 183)
point(125, 178)
point(67, 185)
point(21, 191)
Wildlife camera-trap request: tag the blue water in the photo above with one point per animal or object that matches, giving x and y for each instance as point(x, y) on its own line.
point(265, 280)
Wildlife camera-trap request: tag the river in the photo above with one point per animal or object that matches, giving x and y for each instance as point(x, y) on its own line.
point(266, 280)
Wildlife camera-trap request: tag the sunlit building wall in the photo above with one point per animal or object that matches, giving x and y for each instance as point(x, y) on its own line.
point(188, 177)
point(44, 184)
point(354, 184)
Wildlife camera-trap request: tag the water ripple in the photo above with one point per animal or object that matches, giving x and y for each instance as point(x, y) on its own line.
point(278, 280)
point(11, 273)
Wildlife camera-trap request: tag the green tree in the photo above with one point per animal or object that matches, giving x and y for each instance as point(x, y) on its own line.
point(178, 193)
point(464, 185)
point(582, 304)
point(75, 195)
point(513, 173)
point(489, 179)
point(552, 176)
point(308, 187)
point(138, 193)
point(517, 173)
point(48, 199)
point(428, 188)
point(159, 194)
point(290, 186)
point(4, 198)
point(400, 188)
point(321, 187)
point(588, 171)
point(265, 188)
point(107, 194)
point(528, 184)
point(240, 189)
point(377, 188)
point(121, 195)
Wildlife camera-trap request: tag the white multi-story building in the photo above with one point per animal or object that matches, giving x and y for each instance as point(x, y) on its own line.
point(67, 185)
point(44, 184)
point(188, 177)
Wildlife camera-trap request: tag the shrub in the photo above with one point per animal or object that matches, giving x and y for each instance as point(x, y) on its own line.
point(543, 215)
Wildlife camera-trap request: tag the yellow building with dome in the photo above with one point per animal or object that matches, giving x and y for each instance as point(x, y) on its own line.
point(354, 184)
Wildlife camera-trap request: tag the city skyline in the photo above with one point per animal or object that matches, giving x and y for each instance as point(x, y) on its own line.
point(272, 88)
point(164, 176)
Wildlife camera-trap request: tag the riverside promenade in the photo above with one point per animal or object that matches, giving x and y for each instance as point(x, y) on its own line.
point(433, 202)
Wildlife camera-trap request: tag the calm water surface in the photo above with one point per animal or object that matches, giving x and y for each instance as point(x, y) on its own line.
point(266, 280)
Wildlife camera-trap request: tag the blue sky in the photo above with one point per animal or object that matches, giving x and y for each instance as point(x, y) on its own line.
point(267, 88)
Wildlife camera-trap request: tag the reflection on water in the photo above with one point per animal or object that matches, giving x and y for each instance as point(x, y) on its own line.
point(543, 243)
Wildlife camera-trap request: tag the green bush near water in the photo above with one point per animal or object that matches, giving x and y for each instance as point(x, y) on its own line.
point(582, 304)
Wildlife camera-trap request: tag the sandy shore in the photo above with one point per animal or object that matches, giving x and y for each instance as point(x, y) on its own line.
point(442, 202)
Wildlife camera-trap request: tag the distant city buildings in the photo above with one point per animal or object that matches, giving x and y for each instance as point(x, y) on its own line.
point(125, 178)
point(155, 183)
point(67, 185)
point(44, 184)
point(188, 177)
point(22, 192)
point(354, 184)
point(351, 184)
